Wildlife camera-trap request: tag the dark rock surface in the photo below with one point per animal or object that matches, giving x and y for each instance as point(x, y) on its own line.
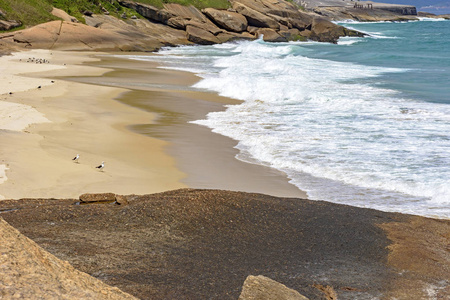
point(202, 244)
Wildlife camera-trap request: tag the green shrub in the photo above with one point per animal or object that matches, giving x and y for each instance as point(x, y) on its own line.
point(29, 12)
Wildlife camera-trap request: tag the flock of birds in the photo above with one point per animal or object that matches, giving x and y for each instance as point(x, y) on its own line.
point(99, 167)
point(38, 60)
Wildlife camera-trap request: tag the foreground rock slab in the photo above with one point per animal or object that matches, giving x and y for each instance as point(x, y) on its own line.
point(29, 272)
point(203, 244)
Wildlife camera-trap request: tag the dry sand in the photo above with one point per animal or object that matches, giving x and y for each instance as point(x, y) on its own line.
point(65, 119)
point(75, 112)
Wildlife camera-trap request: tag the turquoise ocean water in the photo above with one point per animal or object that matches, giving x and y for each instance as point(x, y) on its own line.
point(365, 122)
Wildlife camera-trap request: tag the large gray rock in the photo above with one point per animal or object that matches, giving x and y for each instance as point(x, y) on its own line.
point(323, 30)
point(228, 20)
point(293, 34)
point(263, 288)
point(148, 11)
point(104, 197)
point(299, 23)
point(256, 18)
point(200, 36)
point(213, 29)
point(270, 35)
point(177, 22)
point(186, 12)
point(10, 24)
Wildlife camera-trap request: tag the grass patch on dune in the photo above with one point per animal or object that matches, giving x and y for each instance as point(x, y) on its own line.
point(29, 12)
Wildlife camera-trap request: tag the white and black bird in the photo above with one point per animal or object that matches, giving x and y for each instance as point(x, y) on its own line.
point(76, 158)
point(101, 166)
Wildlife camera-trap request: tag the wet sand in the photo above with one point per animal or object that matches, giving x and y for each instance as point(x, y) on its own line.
point(207, 159)
point(127, 113)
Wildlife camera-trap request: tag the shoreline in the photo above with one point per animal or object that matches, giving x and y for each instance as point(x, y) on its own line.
point(207, 159)
point(187, 154)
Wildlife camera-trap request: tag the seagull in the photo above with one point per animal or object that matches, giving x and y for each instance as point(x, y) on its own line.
point(75, 159)
point(101, 166)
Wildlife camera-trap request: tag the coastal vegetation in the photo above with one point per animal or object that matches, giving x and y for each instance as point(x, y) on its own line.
point(33, 12)
point(28, 12)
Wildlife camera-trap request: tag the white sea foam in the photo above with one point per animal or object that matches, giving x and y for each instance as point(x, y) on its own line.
point(321, 122)
point(349, 41)
point(424, 19)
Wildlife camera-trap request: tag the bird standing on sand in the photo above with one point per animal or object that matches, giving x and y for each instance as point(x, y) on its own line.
point(75, 159)
point(101, 166)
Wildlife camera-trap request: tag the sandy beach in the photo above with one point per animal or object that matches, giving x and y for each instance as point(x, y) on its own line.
point(131, 115)
point(53, 123)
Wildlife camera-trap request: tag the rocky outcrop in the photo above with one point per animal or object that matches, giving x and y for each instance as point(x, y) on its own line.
point(10, 24)
point(255, 18)
point(433, 16)
point(270, 35)
point(200, 36)
point(91, 198)
point(274, 20)
point(199, 29)
point(228, 20)
point(174, 24)
point(323, 30)
point(364, 15)
point(395, 8)
point(6, 24)
point(361, 10)
point(63, 15)
point(103, 198)
point(263, 288)
point(105, 33)
point(30, 272)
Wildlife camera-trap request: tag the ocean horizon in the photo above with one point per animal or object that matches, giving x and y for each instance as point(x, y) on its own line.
point(365, 122)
